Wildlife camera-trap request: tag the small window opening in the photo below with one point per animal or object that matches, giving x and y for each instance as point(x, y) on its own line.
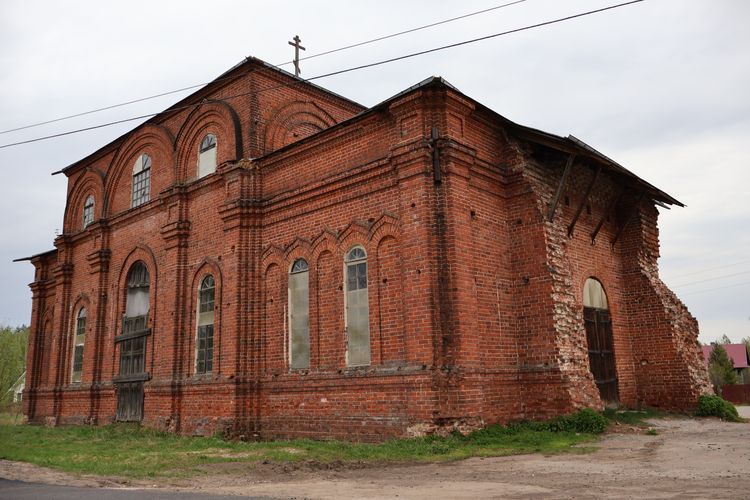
point(79, 341)
point(141, 181)
point(88, 211)
point(207, 156)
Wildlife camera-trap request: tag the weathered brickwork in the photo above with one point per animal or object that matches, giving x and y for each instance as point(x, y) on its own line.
point(474, 285)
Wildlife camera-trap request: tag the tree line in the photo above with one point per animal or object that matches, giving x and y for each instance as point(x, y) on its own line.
point(14, 342)
point(720, 367)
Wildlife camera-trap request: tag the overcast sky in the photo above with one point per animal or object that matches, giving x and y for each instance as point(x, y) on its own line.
point(662, 86)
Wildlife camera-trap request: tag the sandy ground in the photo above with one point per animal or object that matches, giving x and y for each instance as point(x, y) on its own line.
point(688, 458)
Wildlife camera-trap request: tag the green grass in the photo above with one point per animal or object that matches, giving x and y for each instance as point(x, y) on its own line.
point(132, 451)
point(11, 418)
point(633, 417)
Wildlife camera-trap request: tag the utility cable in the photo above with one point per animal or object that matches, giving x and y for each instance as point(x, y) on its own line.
point(692, 273)
point(711, 279)
point(312, 56)
point(695, 292)
point(339, 72)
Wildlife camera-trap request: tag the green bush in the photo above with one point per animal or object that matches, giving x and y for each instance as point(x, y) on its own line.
point(715, 406)
point(586, 420)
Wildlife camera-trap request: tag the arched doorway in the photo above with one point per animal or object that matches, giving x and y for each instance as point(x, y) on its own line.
point(599, 337)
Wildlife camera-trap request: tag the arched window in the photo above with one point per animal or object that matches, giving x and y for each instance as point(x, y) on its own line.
point(137, 302)
point(141, 181)
point(79, 341)
point(204, 354)
point(600, 340)
point(135, 323)
point(357, 308)
point(132, 344)
point(207, 156)
point(88, 211)
point(593, 295)
point(299, 315)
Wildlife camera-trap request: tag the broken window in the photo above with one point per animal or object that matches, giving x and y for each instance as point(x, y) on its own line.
point(141, 180)
point(137, 302)
point(357, 308)
point(88, 211)
point(135, 322)
point(80, 339)
point(207, 156)
point(299, 315)
point(205, 335)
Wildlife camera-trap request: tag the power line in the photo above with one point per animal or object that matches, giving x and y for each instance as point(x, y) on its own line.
point(312, 56)
point(339, 72)
point(692, 273)
point(711, 279)
point(412, 30)
point(695, 292)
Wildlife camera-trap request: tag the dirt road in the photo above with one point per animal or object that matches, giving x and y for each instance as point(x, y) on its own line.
point(688, 458)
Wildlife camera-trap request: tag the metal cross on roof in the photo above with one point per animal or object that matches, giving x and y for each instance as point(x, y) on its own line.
point(297, 47)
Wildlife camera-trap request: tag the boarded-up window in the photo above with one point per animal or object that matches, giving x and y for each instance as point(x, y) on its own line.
point(207, 156)
point(357, 308)
point(299, 315)
point(204, 354)
point(80, 339)
point(88, 211)
point(141, 181)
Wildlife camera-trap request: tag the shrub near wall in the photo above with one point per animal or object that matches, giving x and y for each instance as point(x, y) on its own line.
point(715, 406)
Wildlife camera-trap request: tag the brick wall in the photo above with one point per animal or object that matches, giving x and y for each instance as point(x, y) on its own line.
point(475, 297)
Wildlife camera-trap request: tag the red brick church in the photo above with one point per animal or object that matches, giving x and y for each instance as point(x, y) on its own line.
point(268, 258)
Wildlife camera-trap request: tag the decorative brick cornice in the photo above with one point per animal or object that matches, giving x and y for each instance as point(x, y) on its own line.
point(38, 288)
point(240, 213)
point(411, 158)
point(99, 260)
point(176, 233)
point(63, 273)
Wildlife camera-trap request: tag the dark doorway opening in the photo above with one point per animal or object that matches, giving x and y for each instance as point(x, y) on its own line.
point(600, 341)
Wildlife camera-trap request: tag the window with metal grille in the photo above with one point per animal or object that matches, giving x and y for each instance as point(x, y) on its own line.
point(299, 315)
point(204, 352)
point(357, 307)
point(207, 156)
point(79, 341)
point(132, 356)
point(141, 180)
point(88, 211)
